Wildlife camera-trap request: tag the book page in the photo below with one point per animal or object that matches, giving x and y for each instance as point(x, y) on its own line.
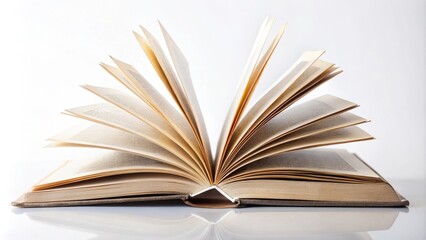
point(182, 69)
point(119, 76)
point(171, 77)
point(135, 184)
point(253, 114)
point(243, 90)
point(143, 112)
point(312, 191)
point(154, 99)
point(183, 91)
point(149, 52)
point(331, 123)
point(162, 106)
point(293, 119)
point(338, 121)
point(344, 135)
point(98, 136)
point(305, 70)
point(110, 115)
point(107, 164)
point(296, 92)
point(334, 162)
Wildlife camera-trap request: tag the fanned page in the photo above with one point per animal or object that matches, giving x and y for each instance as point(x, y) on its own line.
point(109, 163)
point(178, 137)
point(144, 113)
point(268, 103)
point(252, 73)
point(156, 145)
point(335, 165)
point(112, 174)
point(316, 116)
point(100, 136)
point(169, 133)
point(179, 81)
point(328, 174)
point(268, 129)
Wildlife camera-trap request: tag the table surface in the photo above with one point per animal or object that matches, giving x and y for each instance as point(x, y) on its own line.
point(175, 221)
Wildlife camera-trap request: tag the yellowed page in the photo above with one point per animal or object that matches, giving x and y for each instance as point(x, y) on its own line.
point(162, 106)
point(323, 162)
point(296, 92)
point(330, 123)
point(304, 68)
point(99, 136)
point(117, 186)
point(256, 74)
point(324, 125)
point(155, 64)
point(311, 190)
point(306, 175)
point(316, 75)
point(171, 77)
point(344, 135)
point(143, 112)
point(182, 69)
point(234, 112)
point(268, 104)
point(119, 76)
point(110, 115)
point(295, 118)
point(107, 164)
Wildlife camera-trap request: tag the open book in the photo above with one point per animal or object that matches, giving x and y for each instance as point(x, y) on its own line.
point(157, 146)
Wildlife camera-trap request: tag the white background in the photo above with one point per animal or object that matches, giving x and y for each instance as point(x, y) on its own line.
point(49, 48)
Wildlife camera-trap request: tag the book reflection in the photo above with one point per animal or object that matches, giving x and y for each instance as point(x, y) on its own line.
point(173, 221)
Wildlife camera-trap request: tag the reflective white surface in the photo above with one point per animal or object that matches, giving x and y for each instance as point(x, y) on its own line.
point(172, 220)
